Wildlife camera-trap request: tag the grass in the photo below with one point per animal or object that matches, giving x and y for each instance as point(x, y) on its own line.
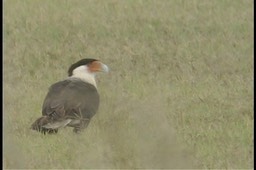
point(179, 94)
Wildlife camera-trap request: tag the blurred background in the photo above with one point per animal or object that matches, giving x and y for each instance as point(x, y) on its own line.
point(179, 93)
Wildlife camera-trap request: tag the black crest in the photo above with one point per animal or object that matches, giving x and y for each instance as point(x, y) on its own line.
point(80, 63)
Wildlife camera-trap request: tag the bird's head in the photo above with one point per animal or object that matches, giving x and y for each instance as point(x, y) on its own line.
point(86, 69)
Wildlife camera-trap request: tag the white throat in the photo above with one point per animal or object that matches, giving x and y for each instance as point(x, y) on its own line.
point(84, 74)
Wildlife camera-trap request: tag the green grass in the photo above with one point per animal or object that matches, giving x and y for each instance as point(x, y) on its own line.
point(179, 94)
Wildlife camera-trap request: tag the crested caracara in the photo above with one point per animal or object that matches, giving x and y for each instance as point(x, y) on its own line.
point(73, 101)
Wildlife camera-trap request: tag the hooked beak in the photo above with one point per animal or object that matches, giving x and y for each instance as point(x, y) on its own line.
point(104, 68)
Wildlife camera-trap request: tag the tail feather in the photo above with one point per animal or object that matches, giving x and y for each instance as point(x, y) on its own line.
point(38, 125)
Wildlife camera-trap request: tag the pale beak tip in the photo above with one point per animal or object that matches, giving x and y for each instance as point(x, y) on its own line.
point(105, 68)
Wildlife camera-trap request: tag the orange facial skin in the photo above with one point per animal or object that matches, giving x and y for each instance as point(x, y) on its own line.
point(95, 66)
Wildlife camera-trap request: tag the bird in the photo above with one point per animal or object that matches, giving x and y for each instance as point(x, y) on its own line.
point(72, 102)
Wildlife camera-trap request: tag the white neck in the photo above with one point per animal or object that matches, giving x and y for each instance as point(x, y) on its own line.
point(83, 74)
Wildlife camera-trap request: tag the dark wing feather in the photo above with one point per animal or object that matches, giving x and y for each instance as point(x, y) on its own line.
point(71, 98)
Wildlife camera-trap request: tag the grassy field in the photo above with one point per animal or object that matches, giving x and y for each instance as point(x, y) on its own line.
point(179, 94)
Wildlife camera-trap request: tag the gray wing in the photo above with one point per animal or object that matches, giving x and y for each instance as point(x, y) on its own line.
point(73, 99)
